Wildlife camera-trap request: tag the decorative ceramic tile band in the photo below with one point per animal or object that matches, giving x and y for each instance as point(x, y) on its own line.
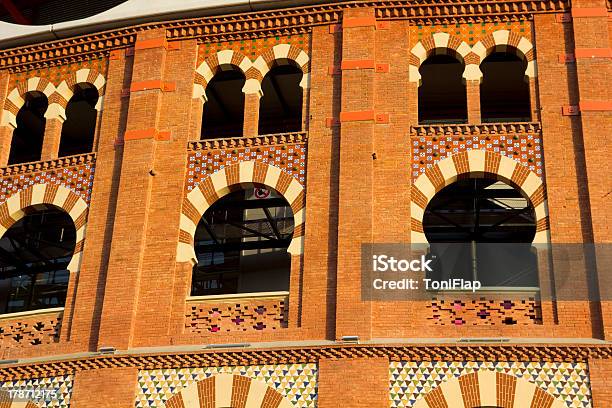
point(411, 382)
point(296, 382)
point(61, 387)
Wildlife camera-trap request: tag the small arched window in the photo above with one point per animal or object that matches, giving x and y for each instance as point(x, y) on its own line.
point(34, 255)
point(280, 108)
point(442, 94)
point(224, 108)
point(78, 131)
point(504, 91)
point(241, 244)
point(482, 229)
point(27, 142)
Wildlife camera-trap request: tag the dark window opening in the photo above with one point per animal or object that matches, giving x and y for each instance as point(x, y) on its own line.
point(224, 109)
point(281, 104)
point(78, 131)
point(504, 92)
point(481, 229)
point(27, 142)
point(442, 94)
point(241, 244)
point(34, 255)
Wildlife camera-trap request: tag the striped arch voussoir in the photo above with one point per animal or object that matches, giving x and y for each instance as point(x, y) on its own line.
point(489, 388)
point(222, 60)
point(502, 40)
point(65, 90)
point(227, 390)
point(438, 43)
point(281, 54)
point(222, 182)
point(477, 163)
point(16, 99)
point(12, 210)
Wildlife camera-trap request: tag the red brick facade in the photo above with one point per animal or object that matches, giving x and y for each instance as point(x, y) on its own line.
point(362, 170)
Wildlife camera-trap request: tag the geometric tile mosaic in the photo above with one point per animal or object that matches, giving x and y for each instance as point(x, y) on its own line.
point(77, 178)
point(254, 47)
point(523, 148)
point(471, 33)
point(290, 158)
point(60, 387)
point(296, 382)
point(411, 381)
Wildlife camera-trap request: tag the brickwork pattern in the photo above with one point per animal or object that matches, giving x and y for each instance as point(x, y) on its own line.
point(237, 315)
point(33, 330)
point(568, 384)
point(484, 312)
point(471, 33)
point(295, 383)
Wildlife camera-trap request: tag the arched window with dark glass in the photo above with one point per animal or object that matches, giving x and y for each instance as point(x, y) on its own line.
point(34, 255)
point(79, 129)
point(224, 107)
point(442, 93)
point(280, 108)
point(241, 244)
point(482, 229)
point(504, 91)
point(27, 141)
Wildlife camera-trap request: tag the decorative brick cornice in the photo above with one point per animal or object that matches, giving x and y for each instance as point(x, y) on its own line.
point(293, 355)
point(484, 128)
point(62, 162)
point(270, 23)
point(263, 140)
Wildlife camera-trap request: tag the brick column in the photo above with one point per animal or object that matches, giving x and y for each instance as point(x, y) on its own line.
point(472, 88)
point(251, 114)
point(105, 388)
point(600, 373)
point(320, 238)
point(134, 195)
point(567, 195)
point(88, 302)
point(52, 138)
point(6, 137)
point(7, 123)
point(353, 382)
point(353, 317)
point(592, 50)
point(534, 104)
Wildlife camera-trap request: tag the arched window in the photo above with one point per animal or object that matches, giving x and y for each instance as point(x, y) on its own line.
point(26, 145)
point(482, 229)
point(442, 94)
point(241, 244)
point(34, 255)
point(79, 129)
point(280, 108)
point(504, 91)
point(224, 108)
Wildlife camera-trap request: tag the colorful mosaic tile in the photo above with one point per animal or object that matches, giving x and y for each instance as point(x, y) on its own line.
point(523, 148)
point(254, 48)
point(471, 33)
point(60, 387)
point(410, 381)
point(296, 382)
point(60, 73)
point(78, 178)
point(289, 158)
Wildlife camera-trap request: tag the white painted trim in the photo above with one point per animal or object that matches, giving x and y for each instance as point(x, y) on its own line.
point(234, 296)
point(9, 316)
